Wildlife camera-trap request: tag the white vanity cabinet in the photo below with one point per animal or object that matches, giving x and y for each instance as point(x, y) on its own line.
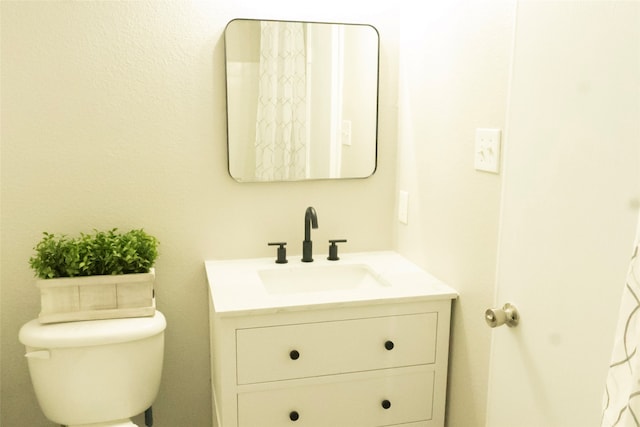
point(371, 363)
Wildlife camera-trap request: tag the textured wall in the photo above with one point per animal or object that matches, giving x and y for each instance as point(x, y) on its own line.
point(113, 115)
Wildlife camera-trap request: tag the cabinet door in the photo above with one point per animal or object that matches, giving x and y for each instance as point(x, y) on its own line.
point(325, 348)
point(385, 398)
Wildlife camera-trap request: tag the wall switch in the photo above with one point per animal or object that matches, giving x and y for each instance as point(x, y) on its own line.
point(403, 207)
point(487, 150)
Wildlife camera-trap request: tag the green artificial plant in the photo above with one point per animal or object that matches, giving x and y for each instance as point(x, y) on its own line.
point(99, 253)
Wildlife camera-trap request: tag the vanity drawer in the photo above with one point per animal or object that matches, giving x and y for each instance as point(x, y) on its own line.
point(325, 348)
point(385, 398)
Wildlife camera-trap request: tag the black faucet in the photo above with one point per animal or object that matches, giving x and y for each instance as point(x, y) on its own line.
point(310, 220)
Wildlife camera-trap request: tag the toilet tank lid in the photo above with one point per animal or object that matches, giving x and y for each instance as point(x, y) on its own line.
point(91, 333)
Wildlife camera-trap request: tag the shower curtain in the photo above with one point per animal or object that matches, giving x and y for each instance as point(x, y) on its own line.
point(621, 402)
point(282, 103)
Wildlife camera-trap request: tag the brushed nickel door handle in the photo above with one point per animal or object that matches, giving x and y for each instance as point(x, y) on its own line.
point(508, 315)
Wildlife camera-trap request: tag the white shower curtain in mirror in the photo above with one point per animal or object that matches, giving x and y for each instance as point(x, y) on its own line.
point(622, 394)
point(282, 103)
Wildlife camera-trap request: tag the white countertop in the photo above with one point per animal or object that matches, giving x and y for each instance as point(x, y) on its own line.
point(236, 288)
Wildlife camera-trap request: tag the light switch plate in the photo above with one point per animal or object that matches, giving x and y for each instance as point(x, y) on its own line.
point(487, 150)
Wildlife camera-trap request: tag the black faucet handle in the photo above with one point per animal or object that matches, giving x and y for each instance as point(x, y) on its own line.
point(282, 252)
point(333, 249)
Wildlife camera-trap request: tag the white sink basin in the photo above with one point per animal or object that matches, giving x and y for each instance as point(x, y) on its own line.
point(322, 278)
point(259, 285)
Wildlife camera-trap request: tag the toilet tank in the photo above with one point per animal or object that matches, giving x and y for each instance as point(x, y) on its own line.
point(95, 371)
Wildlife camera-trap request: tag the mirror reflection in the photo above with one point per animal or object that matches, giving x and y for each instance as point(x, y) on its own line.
point(302, 100)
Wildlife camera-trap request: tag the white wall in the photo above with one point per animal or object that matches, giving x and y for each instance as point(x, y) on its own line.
point(113, 115)
point(454, 72)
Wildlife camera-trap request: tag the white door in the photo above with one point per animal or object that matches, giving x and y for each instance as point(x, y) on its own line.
point(572, 170)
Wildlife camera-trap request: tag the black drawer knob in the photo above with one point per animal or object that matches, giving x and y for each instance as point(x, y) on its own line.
point(389, 345)
point(294, 354)
point(386, 404)
point(294, 415)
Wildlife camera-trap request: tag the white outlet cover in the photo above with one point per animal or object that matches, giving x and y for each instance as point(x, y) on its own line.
point(487, 150)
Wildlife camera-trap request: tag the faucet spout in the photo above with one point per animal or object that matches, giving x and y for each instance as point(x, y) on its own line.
point(310, 221)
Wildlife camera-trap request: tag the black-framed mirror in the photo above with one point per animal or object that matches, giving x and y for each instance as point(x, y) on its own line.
point(302, 100)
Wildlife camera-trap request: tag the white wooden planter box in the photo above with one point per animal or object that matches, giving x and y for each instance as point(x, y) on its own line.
point(69, 299)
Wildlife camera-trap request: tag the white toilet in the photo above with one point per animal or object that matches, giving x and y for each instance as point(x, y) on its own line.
point(95, 373)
